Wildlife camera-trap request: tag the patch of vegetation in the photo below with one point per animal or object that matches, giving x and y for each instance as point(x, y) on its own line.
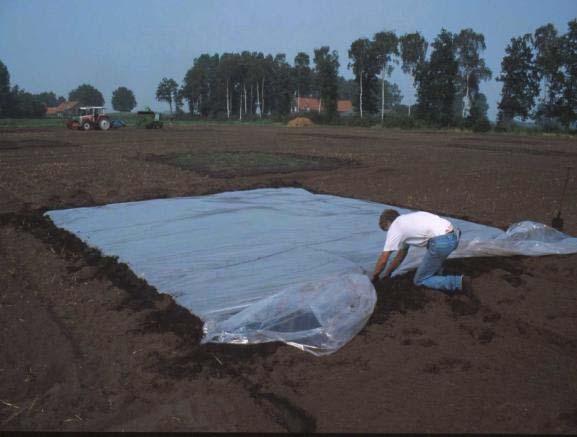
point(231, 164)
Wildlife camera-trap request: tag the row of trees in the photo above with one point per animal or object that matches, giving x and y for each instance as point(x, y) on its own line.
point(17, 103)
point(251, 84)
point(122, 98)
point(447, 82)
point(538, 72)
point(539, 75)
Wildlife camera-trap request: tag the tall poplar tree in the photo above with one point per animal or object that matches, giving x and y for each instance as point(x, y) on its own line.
point(520, 81)
point(326, 72)
point(302, 76)
point(548, 65)
point(413, 48)
point(166, 91)
point(385, 47)
point(437, 82)
point(568, 112)
point(472, 67)
point(283, 85)
point(363, 65)
point(4, 90)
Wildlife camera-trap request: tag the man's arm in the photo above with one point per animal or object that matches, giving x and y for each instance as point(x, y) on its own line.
point(396, 262)
point(380, 266)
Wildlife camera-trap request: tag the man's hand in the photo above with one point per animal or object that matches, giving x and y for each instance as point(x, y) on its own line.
point(380, 266)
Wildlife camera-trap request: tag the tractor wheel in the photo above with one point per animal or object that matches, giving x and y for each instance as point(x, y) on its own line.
point(104, 124)
point(86, 126)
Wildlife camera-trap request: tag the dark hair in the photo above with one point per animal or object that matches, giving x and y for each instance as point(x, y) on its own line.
point(388, 216)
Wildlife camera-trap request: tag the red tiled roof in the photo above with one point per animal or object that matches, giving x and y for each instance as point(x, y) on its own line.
point(312, 104)
point(308, 103)
point(344, 106)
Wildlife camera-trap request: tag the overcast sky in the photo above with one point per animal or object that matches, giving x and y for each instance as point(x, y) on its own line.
point(56, 45)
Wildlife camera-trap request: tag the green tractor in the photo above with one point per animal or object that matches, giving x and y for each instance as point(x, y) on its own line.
point(149, 120)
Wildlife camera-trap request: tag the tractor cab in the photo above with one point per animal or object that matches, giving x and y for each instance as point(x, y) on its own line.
point(94, 111)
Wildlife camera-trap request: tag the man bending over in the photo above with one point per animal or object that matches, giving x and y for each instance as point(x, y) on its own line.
point(422, 229)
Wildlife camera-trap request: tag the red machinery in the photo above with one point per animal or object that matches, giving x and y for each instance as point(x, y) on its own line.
point(90, 117)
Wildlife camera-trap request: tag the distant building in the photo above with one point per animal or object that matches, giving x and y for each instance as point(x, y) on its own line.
point(65, 109)
point(307, 104)
point(344, 107)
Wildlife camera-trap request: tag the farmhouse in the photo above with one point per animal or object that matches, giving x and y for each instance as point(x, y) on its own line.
point(64, 109)
point(307, 104)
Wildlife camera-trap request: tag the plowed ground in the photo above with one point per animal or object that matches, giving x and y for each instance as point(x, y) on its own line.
point(87, 346)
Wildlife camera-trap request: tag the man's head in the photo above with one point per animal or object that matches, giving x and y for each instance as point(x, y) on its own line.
point(387, 218)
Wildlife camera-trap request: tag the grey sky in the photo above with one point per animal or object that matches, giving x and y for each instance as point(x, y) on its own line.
point(57, 45)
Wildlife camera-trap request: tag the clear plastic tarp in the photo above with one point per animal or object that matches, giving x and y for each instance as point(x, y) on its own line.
point(274, 264)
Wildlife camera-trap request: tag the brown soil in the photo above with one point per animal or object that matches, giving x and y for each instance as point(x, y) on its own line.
point(87, 346)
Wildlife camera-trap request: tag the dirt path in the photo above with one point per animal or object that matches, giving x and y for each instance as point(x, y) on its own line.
point(88, 346)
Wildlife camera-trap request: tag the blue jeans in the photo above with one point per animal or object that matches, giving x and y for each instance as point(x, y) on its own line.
point(428, 273)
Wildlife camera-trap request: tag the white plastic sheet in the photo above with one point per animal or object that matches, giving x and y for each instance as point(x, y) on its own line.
point(273, 264)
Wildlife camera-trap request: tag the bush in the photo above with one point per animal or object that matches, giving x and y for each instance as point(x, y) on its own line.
point(549, 125)
point(321, 118)
point(402, 121)
point(500, 128)
point(356, 121)
point(482, 125)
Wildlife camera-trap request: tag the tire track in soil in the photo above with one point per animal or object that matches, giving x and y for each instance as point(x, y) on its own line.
point(173, 318)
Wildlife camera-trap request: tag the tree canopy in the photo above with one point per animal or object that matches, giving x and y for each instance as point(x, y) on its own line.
point(413, 50)
point(18, 103)
point(568, 103)
point(385, 49)
point(50, 99)
point(326, 72)
point(364, 66)
point(302, 74)
point(123, 99)
point(520, 80)
point(167, 91)
point(86, 95)
point(472, 68)
point(4, 89)
point(437, 81)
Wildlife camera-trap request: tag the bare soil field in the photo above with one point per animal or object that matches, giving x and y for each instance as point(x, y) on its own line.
point(87, 346)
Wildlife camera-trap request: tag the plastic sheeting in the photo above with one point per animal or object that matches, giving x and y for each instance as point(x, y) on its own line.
point(273, 264)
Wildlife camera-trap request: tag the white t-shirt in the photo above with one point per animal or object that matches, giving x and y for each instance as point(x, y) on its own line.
point(415, 229)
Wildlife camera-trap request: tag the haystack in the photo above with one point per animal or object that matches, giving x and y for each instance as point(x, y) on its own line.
point(300, 122)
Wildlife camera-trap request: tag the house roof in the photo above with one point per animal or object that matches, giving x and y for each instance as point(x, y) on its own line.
point(308, 102)
point(344, 106)
point(64, 106)
point(313, 104)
